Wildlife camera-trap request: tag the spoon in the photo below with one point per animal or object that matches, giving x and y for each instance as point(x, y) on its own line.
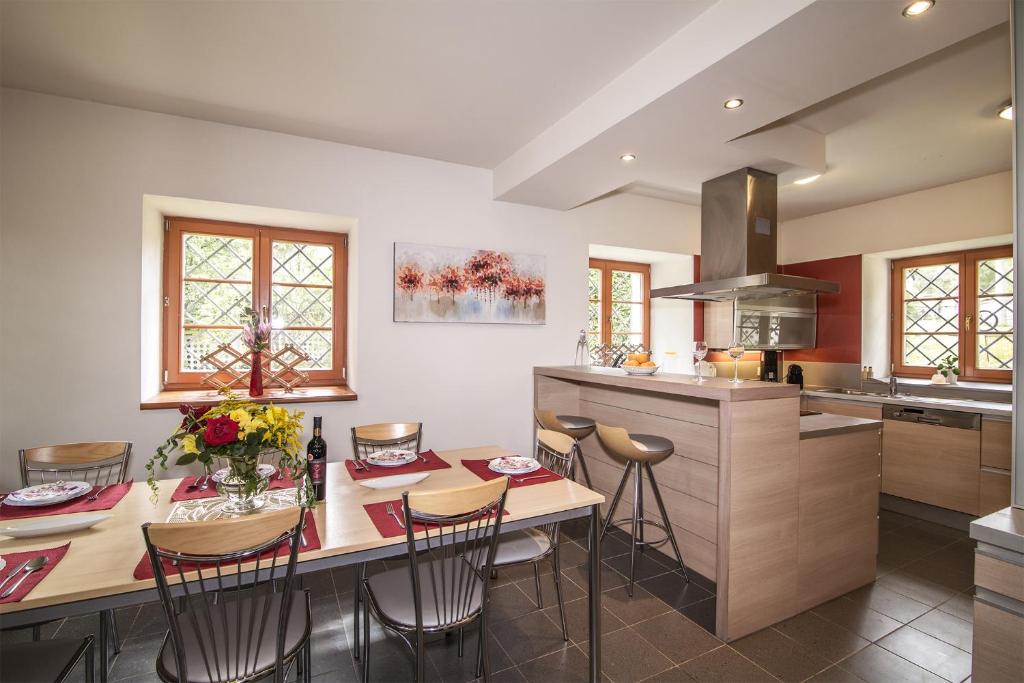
point(36, 564)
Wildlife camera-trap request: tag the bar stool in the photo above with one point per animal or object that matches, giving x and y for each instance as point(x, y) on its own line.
point(640, 451)
point(575, 426)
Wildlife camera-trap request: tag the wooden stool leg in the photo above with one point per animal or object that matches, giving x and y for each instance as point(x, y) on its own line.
point(668, 524)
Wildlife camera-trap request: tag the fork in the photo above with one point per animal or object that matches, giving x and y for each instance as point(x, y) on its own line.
point(390, 509)
point(206, 483)
point(536, 476)
point(96, 495)
point(422, 457)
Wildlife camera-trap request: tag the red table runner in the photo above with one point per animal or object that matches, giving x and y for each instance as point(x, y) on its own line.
point(144, 569)
point(385, 523)
point(182, 492)
point(14, 560)
point(480, 468)
point(434, 462)
point(104, 501)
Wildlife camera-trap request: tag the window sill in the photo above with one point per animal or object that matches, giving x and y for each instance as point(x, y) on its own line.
point(209, 397)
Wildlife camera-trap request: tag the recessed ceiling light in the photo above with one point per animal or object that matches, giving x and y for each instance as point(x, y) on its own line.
point(628, 157)
point(1006, 112)
point(917, 8)
point(734, 103)
point(808, 179)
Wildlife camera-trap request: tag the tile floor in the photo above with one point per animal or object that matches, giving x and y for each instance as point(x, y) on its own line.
point(913, 624)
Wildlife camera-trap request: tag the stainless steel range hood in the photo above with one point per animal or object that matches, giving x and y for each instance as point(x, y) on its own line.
point(739, 238)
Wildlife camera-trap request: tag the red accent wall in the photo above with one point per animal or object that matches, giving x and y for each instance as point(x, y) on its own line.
point(839, 315)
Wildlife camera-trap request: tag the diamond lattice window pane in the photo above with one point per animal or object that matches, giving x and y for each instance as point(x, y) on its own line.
point(995, 351)
point(926, 350)
point(214, 257)
point(627, 286)
point(302, 306)
point(594, 284)
point(310, 264)
point(927, 282)
point(214, 303)
point(995, 314)
point(619, 338)
point(316, 344)
point(995, 276)
point(196, 343)
point(594, 317)
point(932, 316)
point(627, 318)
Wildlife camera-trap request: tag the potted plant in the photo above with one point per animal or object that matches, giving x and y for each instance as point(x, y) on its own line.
point(949, 367)
point(238, 435)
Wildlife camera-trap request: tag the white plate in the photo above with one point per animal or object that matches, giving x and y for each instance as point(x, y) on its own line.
point(396, 481)
point(53, 525)
point(48, 494)
point(640, 370)
point(263, 469)
point(513, 465)
point(391, 458)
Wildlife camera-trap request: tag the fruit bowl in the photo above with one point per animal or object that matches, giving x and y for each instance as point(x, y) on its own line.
point(640, 369)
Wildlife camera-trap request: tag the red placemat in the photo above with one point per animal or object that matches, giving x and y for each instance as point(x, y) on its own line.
point(434, 462)
point(14, 560)
point(144, 569)
point(480, 469)
point(182, 492)
point(106, 500)
point(386, 524)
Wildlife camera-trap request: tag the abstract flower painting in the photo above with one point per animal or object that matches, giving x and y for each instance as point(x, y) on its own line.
point(453, 284)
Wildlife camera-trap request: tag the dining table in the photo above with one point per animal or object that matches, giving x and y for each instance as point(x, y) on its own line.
point(98, 571)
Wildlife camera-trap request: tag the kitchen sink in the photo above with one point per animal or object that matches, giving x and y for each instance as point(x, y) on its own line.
point(853, 392)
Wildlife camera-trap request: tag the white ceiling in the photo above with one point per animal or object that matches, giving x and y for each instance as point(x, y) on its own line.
point(549, 93)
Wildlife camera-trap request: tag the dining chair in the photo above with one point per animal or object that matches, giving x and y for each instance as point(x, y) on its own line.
point(239, 618)
point(100, 463)
point(555, 451)
point(444, 588)
point(49, 660)
point(366, 440)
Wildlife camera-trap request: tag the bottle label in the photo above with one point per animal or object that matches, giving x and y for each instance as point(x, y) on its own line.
point(316, 472)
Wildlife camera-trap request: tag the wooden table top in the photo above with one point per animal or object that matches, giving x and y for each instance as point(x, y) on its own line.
point(712, 388)
point(101, 560)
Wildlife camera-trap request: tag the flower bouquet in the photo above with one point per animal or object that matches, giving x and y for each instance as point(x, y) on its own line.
point(256, 337)
point(238, 434)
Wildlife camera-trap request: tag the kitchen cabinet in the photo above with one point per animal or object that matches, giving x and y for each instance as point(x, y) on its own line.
point(871, 411)
point(932, 464)
point(993, 491)
point(996, 442)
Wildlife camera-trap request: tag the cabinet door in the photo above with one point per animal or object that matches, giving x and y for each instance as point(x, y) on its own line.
point(872, 411)
point(995, 442)
point(994, 491)
point(931, 464)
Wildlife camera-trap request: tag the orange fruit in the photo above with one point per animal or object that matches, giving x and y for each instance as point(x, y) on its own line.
point(648, 364)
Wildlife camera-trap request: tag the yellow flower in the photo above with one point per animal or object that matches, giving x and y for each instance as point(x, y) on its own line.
point(241, 416)
point(276, 415)
point(188, 444)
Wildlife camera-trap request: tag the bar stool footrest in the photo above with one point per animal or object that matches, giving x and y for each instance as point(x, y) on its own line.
point(649, 522)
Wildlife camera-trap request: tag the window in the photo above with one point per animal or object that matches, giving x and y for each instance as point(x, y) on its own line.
point(620, 303)
point(959, 304)
point(213, 270)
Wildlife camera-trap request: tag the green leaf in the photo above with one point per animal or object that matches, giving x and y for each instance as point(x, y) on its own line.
point(186, 459)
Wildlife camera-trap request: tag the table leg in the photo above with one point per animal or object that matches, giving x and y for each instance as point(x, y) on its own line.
point(104, 655)
point(595, 593)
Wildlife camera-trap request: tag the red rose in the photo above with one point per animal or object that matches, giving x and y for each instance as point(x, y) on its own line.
point(220, 430)
point(192, 416)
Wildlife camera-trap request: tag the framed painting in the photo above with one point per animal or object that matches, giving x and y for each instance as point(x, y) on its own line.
point(458, 285)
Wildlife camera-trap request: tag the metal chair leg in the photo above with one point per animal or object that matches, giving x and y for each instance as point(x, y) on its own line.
point(114, 633)
point(462, 641)
point(615, 502)
point(90, 662)
point(482, 663)
point(356, 597)
point(104, 654)
point(536, 582)
point(421, 657)
point(307, 670)
point(637, 492)
point(668, 524)
point(37, 632)
point(556, 568)
point(366, 644)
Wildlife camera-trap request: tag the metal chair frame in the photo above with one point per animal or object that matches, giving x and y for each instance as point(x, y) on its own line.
point(86, 650)
point(470, 544)
point(221, 585)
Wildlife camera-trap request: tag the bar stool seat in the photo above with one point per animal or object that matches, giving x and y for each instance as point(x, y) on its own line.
point(640, 452)
point(576, 426)
point(577, 423)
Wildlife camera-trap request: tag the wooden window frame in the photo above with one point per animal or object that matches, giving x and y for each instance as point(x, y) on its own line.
point(968, 299)
point(174, 379)
point(606, 267)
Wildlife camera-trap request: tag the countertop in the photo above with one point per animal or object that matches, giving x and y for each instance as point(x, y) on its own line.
point(713, 388)
point(1004, 528)
point(990, 408)
point(827, 424)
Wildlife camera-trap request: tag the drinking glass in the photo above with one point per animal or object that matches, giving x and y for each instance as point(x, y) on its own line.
point(736, 352)
point(700, 350)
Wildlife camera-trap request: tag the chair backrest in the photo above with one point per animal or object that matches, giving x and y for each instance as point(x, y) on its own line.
point(556, 451)
point(367, 439)
point(450, 578)
point(98, 462)
point(228, 618)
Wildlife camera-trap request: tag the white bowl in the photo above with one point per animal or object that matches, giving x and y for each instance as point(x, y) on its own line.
point(394, 482)
point(47, 526)
point(640, 370)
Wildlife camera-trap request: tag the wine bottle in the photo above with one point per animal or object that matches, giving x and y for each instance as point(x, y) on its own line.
point(316, 459)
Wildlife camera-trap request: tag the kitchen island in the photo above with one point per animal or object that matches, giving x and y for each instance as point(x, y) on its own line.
point(735, 489)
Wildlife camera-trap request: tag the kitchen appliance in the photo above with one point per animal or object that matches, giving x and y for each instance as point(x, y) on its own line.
point(795, 375)
point(770, 366)
point(749, 300)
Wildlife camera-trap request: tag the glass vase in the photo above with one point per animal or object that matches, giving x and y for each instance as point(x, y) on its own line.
point(256, 375)
point(243, 487)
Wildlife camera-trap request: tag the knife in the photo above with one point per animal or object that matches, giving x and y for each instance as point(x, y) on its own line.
point(14, 572)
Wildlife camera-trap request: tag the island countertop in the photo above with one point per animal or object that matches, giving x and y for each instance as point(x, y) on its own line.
point(713, 388)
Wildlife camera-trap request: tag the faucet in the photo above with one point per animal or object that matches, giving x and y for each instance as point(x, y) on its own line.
point(893, 387)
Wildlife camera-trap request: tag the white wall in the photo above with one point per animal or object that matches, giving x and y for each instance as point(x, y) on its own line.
point(976, 208)
point(73, 178)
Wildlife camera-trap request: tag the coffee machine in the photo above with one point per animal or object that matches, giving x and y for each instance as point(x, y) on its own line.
point(770, 367)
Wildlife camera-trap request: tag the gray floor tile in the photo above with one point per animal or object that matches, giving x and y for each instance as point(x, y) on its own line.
point(834, 674)
point(888, 602)
point(856, 616)
point(577, 620)
point(566, 666)
point(570, 591)
point(724, 665)
point(702, 613)
point(509, 602)
point(641, 606)
point(610, 578)
point(782, 657)
point(960, 605)
point(822, 637)
point(916, 588)
point(947, 628)
point(874, 664)
point(677, 637)
point(940, 573)
point(938, 657)
point(626, 656)
point(675, 591)
point(528, 637)
point(647, 566)
point(137, 657)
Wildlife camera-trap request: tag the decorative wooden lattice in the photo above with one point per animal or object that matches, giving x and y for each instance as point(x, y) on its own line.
point(233, 368)
point(605, 355)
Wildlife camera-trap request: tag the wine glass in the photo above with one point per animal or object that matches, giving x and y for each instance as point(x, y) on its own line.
point(700, 350)
point(736, 352)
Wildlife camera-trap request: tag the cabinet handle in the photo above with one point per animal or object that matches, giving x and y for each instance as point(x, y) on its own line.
point(967, 321)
